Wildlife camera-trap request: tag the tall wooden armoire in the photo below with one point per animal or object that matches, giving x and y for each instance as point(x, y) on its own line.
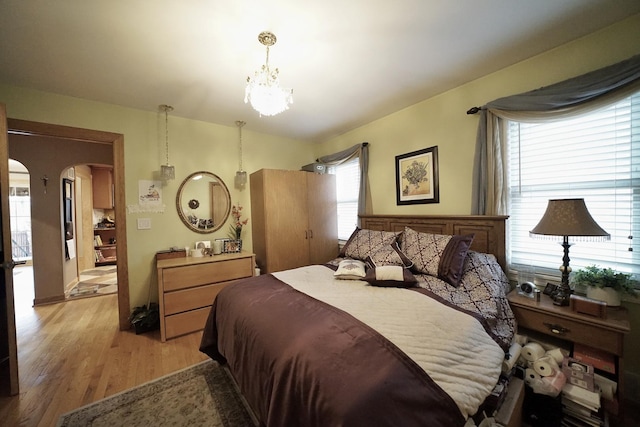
point(293, 218)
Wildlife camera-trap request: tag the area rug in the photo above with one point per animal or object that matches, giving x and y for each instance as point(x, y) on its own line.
point(202, 395)
point(98, 281)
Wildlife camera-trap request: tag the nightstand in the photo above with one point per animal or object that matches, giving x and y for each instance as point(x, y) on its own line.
point(564, 324)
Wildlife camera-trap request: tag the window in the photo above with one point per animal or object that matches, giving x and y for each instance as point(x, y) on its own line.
point(596, 157)
point(20, 215)
point(347, 192)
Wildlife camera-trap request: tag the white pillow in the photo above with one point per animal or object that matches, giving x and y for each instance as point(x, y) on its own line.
point(350, 269)
point(389, 272)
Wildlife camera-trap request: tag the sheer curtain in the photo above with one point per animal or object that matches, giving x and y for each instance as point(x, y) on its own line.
point(562, 100)
point(361, 151)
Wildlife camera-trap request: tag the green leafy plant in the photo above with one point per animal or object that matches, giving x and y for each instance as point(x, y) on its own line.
point(145, 318)
point(605, 278)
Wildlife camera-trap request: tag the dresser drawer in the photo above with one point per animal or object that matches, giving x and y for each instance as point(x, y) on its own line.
point(569, 330)
point(202, 274)
point(188, 299)
point(184, 323)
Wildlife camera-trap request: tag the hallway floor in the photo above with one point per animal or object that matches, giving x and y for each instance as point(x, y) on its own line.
point(101, 280)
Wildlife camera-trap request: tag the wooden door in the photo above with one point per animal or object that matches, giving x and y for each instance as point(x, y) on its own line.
point(8, 345)
point(323, 218)
point(218, 210)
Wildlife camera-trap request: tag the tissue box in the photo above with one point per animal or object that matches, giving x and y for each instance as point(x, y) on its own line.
point(578, 373)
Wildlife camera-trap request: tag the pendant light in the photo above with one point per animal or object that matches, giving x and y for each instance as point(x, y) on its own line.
point(167, 172)
point(241, 176)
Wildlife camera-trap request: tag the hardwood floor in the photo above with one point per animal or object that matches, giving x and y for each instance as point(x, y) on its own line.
point(72, 353)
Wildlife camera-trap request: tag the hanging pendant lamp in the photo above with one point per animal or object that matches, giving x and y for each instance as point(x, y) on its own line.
point(167, 172)
point(241, 175)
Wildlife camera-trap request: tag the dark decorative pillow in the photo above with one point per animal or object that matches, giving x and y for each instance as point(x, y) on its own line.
point(350, 269)
point(437, 255)
point(390, 276)
point(363, 243)
point(390, 255)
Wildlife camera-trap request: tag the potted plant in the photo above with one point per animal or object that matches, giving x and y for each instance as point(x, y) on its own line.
point(605, 284)
point(145, 318)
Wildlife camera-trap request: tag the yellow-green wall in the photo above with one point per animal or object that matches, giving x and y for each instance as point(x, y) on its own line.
point(194, 146)
point(442, 121)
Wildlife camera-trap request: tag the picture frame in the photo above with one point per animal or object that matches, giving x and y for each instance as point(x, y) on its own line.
point(417, 179)
point(550, 289)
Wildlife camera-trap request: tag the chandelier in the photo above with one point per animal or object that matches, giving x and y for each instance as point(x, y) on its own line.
point(167, 171)
point(263, 90)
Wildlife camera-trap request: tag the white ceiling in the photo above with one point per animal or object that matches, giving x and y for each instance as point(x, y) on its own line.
point(348, 62)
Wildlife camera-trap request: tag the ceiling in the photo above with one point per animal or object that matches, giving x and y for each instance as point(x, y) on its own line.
point(348, 62)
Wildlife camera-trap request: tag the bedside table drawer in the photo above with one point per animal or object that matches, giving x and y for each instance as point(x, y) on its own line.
point(569, 330)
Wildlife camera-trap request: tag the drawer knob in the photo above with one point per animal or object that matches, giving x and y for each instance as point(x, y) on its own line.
point(556, 329)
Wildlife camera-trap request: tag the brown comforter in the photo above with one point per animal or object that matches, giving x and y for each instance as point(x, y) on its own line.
point(301, 362)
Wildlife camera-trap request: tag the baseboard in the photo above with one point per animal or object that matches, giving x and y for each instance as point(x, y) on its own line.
point(48, 300)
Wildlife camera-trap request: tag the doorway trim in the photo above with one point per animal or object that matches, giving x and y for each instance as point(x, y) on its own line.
point(116, 140)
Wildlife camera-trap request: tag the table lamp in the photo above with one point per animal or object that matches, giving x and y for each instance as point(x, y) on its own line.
point(567, 218)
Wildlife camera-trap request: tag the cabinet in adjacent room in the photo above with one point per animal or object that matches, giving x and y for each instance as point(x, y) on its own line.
point(102, 183)
point(294, 218)
point(104, 244)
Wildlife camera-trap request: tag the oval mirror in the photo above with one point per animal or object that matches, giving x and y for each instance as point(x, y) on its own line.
point(203, 202)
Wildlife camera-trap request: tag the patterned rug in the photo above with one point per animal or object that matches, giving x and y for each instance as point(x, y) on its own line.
point(98, 281)
point(202, 395)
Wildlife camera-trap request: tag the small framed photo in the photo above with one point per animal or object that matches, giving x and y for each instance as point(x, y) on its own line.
point(550, 289)
point(417, 177)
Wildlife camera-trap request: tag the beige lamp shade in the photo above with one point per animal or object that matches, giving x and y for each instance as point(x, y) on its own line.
point(569, 217)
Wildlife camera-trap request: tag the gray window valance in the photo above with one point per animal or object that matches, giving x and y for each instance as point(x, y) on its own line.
point(574, 96)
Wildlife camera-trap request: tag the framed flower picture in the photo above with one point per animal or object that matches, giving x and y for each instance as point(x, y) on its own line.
point(417, 177)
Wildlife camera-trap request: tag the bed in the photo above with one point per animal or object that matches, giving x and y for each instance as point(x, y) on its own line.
point(408, 326)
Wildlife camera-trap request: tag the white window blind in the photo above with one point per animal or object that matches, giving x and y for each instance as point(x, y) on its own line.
point(347, 192)
point(595, 157)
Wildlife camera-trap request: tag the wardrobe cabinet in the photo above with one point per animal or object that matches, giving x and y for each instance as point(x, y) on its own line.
point(294, 218)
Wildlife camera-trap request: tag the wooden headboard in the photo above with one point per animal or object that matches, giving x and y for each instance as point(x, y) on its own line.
point(489, 231)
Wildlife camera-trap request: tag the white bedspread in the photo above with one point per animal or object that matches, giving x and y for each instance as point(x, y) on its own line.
point(452, 347)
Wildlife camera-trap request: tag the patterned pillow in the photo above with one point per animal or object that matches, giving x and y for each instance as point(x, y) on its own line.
point(437, 255)
point(350, 269)
point(390, 255)
point(363, 243)
point(390, 276)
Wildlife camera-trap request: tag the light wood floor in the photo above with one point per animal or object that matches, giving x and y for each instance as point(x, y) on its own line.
point(72, 353)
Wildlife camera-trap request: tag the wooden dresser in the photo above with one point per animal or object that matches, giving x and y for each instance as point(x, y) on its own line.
point(187, 287)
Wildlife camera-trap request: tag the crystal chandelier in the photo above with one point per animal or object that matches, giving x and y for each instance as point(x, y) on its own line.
point(167, 171)
point(263, 90)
